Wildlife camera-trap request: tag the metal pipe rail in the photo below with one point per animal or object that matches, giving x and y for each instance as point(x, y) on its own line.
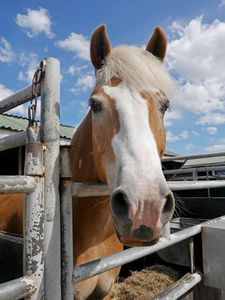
point(195, 185)
point(101, 189)
point(18, 184)
point(17, 288)
point(17, 99)
point(107, 263)
point(180, 287)
point(191, 170)
point(86, 189)
point(197, 156)
point(13, 140)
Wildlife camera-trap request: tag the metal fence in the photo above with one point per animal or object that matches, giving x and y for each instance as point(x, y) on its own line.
point(42, 250)
point(48, 251)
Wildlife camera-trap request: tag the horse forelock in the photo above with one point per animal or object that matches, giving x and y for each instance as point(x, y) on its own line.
point(139, 69)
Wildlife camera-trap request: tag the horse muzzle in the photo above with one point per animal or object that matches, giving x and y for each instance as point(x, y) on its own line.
point(139, 221)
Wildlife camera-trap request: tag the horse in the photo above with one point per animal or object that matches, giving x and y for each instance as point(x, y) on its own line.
point(120, 142)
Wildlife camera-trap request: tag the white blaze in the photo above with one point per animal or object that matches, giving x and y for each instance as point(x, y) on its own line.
point(134, 145)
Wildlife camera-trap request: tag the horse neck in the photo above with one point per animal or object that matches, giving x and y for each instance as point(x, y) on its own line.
point(94, 212)
point(83, 169)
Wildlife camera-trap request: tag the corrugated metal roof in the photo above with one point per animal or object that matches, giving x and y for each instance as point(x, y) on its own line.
point(170, 154)
point(217, 160)
point(16, 123)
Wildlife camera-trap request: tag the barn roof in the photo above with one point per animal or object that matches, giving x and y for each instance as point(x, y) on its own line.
point(16, 123)
point(207, 161)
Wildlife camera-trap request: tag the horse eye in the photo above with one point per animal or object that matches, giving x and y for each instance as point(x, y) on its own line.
point(95, 106)
point(165, 106)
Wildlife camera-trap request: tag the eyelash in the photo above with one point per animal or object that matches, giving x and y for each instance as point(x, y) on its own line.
point(165, 106)
point(95, 106)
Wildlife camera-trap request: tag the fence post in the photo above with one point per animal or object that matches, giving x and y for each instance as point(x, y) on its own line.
point(50, 136)
point(66, 223)
point(33, 228)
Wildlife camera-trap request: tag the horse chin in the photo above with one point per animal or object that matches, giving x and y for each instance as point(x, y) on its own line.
point(135, 243)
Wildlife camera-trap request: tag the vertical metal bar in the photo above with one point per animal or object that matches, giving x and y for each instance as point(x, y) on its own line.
point(20, 165)
point(34, 215)
point(192, 256)
point(50, 136)
point(66, 224)
point(207, 177)
point(34, 238)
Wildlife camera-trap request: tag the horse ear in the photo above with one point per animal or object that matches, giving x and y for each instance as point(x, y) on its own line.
point(100, 46)
point(157, 43)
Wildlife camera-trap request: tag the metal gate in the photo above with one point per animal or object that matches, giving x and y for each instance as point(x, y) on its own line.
point(48, 189)
point(40, 184)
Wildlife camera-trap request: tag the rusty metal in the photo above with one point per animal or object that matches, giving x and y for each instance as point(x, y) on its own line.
point(33, 214)
point(34, 153)
point(17, 288)
point(50, 136)
point(17, 184)
point(34, 238)
point(32, 109)
point(42, 259)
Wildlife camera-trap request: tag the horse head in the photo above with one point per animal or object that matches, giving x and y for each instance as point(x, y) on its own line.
point(128, 136)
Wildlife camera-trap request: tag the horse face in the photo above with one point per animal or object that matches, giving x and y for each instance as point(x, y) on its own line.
point(128, 142)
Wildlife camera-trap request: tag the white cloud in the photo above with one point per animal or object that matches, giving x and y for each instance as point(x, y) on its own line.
point(213, 118)
point(184, 135)
point(31, 63)
point(78, 44)
point(35, 22)
point(83, 84)
point(212, 130)
point(6, 52)
point(72, 69)
point(4, 92)
point(170, 116)
point(171, 138)
point(195, 133)
point(189, 146)
point(83, 108)
point(174, 138)
point(222, 3)
point(196, 54)
point(216, 148)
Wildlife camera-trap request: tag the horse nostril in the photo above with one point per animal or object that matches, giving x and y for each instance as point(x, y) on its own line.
point(119, 205)
point(168, 208)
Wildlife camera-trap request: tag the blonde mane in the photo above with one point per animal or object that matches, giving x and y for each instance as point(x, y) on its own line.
point(138, 68)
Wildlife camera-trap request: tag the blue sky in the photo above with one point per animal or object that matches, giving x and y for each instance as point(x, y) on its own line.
point(31, 30)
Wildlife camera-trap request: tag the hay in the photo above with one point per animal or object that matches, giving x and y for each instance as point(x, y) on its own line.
point(144, 284)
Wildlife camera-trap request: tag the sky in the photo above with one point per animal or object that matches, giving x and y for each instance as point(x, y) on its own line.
point(31, 30)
